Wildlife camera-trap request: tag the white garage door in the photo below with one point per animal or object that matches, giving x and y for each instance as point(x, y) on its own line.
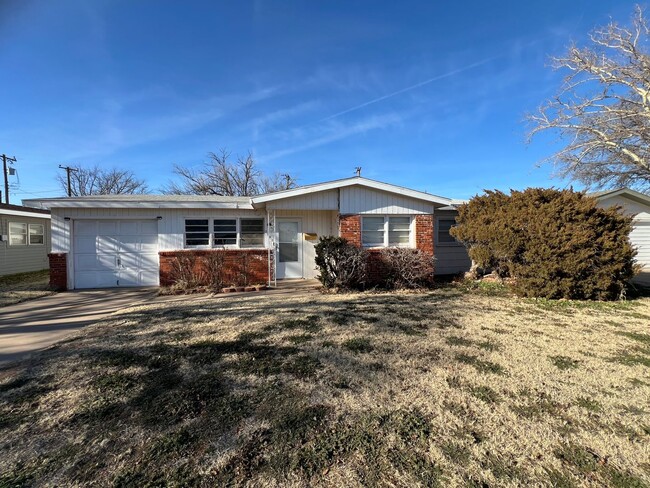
point(112, 253)
point(640, 238)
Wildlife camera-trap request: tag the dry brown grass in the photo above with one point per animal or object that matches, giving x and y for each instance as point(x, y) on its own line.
point(443, 388)
point(24, 286)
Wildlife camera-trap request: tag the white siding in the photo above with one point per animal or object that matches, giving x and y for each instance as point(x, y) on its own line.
point(22, 259)
point(360, 200)
point(322, 200)
point(313, 222)
point(640, 235)
point(171, 226)
point(451, 258)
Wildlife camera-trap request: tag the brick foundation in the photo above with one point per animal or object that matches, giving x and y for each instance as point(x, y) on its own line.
point(240, 267)
point(58, 271)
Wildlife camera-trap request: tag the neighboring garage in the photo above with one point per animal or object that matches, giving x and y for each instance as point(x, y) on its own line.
point(638, 205)
point(115, 253)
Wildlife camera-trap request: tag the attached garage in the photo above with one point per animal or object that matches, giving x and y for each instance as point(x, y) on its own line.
point(115, 253)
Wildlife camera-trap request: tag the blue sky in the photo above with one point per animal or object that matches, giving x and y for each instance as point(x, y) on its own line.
point(428, 95)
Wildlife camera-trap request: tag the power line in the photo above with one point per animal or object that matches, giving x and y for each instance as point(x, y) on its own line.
point(6, 158)
point(68, 170)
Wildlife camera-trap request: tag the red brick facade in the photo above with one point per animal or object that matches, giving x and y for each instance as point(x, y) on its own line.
point(424, 233)
point(350, 228)
point(241, 266)
point(58, 270)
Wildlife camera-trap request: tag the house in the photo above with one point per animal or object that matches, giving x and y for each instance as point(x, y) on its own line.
point(132, 240)
point(637, 205)
point(24, 239)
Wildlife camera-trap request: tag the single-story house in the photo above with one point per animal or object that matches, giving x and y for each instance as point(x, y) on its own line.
point(637, 205)
point(24, 239)
point(132, 240)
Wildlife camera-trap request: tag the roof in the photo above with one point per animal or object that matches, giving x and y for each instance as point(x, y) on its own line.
point(356, 180)
point(143, 201)
point(19, 210)
point(627, 192)
point(219, 201)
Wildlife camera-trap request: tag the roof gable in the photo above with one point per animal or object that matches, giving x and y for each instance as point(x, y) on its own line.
point(347, 182)
point(622, 192)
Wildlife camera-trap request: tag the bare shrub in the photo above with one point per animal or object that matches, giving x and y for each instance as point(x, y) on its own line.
point(341, 264)
point(183, 273)
point(213, 269)
point(407, 268)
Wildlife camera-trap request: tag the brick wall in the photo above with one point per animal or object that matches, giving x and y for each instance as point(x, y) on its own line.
point(424, 233)
point(350, 228)
point(251, 263)
point(58, 270)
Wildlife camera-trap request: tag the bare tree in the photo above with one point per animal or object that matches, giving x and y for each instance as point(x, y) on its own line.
point(97, 181)
point(221, 176)
point(603, 108)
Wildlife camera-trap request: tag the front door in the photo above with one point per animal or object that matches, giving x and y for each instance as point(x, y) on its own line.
point(289, 257)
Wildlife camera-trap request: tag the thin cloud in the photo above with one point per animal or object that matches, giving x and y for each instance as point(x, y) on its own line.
point(412, 87)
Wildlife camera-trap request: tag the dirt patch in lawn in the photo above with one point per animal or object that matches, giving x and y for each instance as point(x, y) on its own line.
point(24, 286)
point(436, 389)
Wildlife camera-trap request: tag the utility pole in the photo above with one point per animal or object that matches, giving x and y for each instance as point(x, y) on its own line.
point(68, 170)
point(6, 158)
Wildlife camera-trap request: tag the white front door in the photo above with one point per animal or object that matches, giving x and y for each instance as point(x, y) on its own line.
point(289, 255)
point(112, 253)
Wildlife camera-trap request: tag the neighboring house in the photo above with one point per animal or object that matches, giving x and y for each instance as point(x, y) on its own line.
point(131, 240)
point(638, 205)
point(24, 239)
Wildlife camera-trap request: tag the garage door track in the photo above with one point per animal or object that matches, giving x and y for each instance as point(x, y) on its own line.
point(30, 326)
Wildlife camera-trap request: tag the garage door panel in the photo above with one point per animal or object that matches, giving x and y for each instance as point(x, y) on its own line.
point(109, 253)
point(95, 262)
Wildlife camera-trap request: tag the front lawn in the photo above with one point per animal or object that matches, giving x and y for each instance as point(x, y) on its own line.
point(24, 286)
point(443, 388)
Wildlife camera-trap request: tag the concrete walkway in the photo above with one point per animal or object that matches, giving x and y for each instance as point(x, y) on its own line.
point(30, 326)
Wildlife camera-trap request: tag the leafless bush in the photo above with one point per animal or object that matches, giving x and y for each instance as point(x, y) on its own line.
point(213, 265)
point(407, 268)
point(183, 273)
point(341, 264)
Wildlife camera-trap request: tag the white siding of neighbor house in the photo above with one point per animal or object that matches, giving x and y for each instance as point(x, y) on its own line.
point(451, 258)
point(640, 235)
point(322, 200)
point(22, 259)
point(312, 222)
point(361, 200)
point(171, 227)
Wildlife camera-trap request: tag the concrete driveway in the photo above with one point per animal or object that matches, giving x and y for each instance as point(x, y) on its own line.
point(30, 326)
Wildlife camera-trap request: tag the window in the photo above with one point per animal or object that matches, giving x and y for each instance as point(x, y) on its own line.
point(251, 232)
point(225, 232)
point(17, 234)
point(197, 232)
point(444, 225)
point(386, 231)
point(36, 234)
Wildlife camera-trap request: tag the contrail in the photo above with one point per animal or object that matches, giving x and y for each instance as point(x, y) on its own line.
point(412, 87)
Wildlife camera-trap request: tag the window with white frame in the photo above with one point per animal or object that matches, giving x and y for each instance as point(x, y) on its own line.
point(444, 226)
point(17, 234)
point(226, 232)
point(386, 231)
point(36, 234)
point(197, 232)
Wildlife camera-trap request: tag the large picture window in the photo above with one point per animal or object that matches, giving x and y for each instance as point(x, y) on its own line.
point(386, 231)
point(224, 232)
